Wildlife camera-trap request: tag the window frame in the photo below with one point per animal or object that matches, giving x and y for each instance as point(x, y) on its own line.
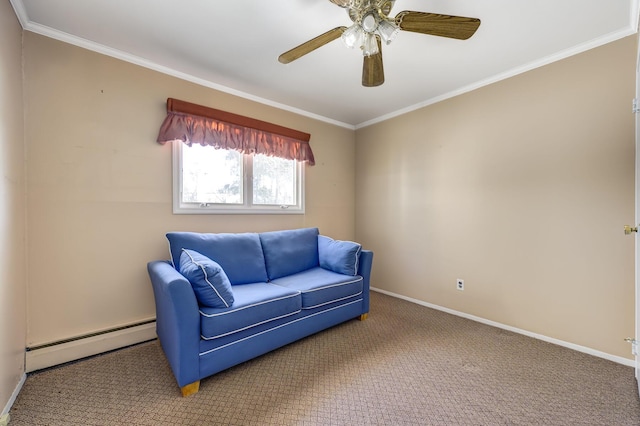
point(247, 179)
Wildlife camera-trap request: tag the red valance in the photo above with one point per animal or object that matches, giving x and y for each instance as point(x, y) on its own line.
point(191, 123)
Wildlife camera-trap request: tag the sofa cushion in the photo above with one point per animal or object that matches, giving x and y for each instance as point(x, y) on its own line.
point(240, 255)
point(319, 286)
point(254, 304)
point(338, 256)
point(209, 282)
point(291, 251)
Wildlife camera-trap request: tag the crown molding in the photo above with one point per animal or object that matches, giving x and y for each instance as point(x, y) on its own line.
point(600, 41)
point(46, 31)
point(28, 25)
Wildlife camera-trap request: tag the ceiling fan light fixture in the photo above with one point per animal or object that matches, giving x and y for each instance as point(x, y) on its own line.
point(353, 36)
point(370, 46)
point(369, 22)
point(388, 31)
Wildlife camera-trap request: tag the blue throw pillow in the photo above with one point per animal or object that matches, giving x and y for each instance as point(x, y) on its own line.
point(209, 282)
point(339, 256)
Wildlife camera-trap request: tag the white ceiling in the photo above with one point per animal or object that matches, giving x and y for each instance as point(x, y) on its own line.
point(233, 46)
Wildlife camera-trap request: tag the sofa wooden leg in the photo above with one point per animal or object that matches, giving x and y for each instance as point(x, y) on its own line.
point(191, 388)
point(363, 317)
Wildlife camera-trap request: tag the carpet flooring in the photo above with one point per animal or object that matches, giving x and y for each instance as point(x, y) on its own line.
point(405, 365)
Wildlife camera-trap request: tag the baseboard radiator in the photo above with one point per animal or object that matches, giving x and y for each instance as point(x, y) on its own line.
point(59, 352)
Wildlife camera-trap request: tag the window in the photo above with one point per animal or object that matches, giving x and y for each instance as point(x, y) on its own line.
point(207, 180)
point(214, 170)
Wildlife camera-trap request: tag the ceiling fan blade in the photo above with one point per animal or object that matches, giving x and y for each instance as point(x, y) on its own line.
point(439, 25)
point(372, 68)
point(341, 3)
point(311, 45)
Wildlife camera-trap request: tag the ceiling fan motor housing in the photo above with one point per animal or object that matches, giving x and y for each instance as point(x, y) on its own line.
point(359, 10)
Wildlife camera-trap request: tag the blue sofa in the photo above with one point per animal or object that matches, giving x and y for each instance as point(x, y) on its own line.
point(226, 298)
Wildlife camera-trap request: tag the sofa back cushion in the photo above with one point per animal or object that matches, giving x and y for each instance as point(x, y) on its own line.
point(240, 255)
point(289, 252)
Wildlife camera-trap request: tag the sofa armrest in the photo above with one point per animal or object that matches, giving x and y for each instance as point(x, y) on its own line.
point(364, 270)
point(177, 320)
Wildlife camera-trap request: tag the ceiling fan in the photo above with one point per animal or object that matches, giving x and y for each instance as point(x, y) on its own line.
point(372, 26)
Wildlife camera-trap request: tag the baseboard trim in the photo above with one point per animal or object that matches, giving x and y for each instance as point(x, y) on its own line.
point(583, 349)
point(49, 355)
point(14, 395)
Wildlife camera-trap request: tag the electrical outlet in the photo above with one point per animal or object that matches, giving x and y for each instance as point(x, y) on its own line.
point(460, 284)
point(4, 420)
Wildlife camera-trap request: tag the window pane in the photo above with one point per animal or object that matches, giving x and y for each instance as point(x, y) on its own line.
point(211, 175)
point(274, 181)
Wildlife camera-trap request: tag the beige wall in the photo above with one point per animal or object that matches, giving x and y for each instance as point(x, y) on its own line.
point(520, 188)
point(99, 199)
point(12, 207)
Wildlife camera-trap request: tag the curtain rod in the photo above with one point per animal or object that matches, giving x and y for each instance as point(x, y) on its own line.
point(176, 105)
